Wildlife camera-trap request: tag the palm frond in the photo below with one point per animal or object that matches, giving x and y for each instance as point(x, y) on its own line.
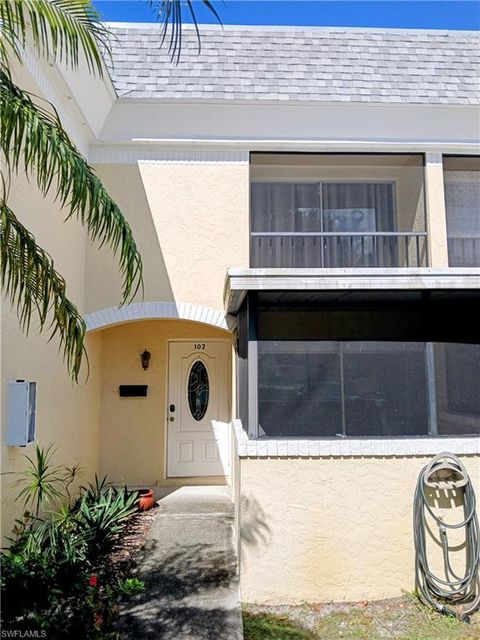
point(29, 279)
point(62, 29)
point(170, 15)
point(34, 141)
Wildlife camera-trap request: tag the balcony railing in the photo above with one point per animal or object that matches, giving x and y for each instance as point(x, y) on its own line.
point(464, 251)
point(332, 249)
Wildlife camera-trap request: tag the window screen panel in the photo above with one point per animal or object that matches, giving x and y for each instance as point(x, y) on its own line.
point(285, 208)
point(325, 370)
point(357, 206)
point(457, 374)
point(462, 201)
point(385, 388)
point(340, 207)
point(299, 389)
point(316, 389)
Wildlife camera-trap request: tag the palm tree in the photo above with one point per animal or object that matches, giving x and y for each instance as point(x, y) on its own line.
point(33, 141)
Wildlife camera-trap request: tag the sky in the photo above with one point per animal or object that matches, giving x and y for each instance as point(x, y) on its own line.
point(411, 14)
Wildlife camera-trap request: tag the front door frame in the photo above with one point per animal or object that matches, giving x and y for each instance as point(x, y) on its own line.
point(226, 340)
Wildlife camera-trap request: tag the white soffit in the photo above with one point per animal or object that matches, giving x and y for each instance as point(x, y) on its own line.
point(52, 87)
point(302, 127)
point(94, 96)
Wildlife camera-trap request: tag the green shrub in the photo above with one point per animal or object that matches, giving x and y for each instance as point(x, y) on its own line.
point(102, 519)
point(51, 575)
point(94, 490)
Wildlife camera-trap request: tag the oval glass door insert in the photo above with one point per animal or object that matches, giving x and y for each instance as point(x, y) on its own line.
point(198, 389)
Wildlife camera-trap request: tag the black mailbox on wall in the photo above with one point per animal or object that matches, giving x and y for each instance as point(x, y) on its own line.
point(133, 390)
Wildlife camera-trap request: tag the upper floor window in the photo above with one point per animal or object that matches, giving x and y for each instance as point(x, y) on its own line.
point(337, 211)
point(462, 201)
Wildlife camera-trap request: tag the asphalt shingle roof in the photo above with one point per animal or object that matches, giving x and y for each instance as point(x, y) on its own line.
point(320, 64)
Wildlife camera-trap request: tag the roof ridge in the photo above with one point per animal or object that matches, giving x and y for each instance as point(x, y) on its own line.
point(290, 28)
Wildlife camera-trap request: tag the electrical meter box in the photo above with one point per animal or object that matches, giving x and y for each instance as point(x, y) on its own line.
point(22, 398)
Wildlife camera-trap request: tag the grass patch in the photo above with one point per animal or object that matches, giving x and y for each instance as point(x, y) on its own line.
point(400, 619)
point(264, 626)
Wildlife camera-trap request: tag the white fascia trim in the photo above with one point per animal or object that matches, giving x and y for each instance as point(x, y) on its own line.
point(153, 310)
point(334, 447)
point(398, 274)
point(312, 103)
point(239, 281)
point(70, 121)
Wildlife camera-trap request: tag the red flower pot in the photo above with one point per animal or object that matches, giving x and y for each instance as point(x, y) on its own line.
point(145, 499)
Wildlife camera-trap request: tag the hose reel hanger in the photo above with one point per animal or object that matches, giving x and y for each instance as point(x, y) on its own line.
point(446, 478)
point(442, 474)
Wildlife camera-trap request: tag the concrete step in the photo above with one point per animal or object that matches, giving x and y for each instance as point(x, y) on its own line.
point(197, 500)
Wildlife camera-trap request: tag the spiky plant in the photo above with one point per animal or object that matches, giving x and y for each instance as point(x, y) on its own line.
point(41, 482)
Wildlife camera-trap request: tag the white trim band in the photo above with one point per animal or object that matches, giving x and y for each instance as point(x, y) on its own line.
point(239, 281)
point(124, 154)
point(366, 447)
point(153, 310)
point(188, 150)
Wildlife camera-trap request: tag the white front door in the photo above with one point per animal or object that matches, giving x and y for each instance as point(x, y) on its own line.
point(198, 409)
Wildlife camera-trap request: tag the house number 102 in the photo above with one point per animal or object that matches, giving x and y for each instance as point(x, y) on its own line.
point(199, 346)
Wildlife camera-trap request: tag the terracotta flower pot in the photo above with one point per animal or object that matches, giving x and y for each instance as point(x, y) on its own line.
point(145, 499)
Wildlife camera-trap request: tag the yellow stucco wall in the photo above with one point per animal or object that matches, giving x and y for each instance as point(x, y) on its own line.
point(191, 222)
point(132, 432)
point(67, 414)
point(329, 529)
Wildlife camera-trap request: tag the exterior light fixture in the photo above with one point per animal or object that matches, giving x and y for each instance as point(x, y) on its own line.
point(145, 357)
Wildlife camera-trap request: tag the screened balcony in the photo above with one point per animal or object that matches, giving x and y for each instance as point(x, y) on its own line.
point(359, 364)
point(311, 211)
point(462, 202)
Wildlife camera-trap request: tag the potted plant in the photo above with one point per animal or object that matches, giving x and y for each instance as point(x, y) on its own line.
point(145, 499)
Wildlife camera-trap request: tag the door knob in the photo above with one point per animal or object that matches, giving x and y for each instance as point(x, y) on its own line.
point(172, 408)
point(171, 418)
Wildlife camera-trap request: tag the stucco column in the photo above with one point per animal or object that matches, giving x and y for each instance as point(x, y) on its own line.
point(436, 218)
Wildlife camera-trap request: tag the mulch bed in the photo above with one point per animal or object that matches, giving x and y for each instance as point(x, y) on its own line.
point(120, 561)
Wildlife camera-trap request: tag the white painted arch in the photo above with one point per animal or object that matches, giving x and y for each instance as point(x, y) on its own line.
point(152, 310)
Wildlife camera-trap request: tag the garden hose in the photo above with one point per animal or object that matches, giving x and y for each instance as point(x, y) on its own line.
point(446, 473)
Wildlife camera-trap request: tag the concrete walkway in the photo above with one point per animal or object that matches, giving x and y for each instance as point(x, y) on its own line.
point(189, 567)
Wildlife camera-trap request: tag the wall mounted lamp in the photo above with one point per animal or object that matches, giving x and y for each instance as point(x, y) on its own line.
point(145, 357)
